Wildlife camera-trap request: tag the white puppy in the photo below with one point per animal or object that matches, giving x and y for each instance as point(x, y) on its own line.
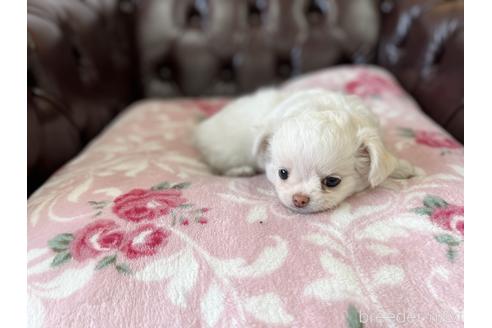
point(316, 147)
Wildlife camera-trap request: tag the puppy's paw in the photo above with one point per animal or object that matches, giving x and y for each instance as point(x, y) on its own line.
point(240, 171)
point(405, 170)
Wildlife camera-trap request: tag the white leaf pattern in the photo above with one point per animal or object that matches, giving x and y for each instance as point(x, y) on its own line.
point(133, 169)
point(341, 284)
point(270, 259)
point(212, 304)
point(36, 213)
point(382, 250)
point(235, 199)
point(437, 273)
point(389, 275)
point(35, 312)
point(34, 253)
point(73, 197)
point(182, 271)
point(111, 192)
point(343, 216)
point(396, 227)
point(40, 267)
point(66, 283)
point(458, 169)
point(325, 240)
point(268, 308)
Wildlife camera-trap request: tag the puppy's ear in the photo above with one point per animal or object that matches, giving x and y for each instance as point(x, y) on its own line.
point(261, 144)
point(373, 157)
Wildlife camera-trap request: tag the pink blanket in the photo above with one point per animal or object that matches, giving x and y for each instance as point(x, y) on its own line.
point(136, 231)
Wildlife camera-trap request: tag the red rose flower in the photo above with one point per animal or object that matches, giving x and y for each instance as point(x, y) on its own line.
point(435, 140)
point(368, 84)
point(145, 241)
point(140, 204)
point(460, 226)
point(94, 239)
point(449, 217)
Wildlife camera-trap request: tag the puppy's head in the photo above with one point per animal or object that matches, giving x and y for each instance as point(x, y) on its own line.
point(317, 158)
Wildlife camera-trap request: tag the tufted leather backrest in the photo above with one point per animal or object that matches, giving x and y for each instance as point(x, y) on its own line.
point(422, 43)
point(82, 70)
point(217, 47)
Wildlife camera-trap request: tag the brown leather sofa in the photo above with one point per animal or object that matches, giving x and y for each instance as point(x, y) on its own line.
point(89, 59)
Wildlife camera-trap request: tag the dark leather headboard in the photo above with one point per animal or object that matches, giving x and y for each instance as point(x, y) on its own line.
point(422, 42)
point(82, 70)
point(196, 48)
point(88, 59)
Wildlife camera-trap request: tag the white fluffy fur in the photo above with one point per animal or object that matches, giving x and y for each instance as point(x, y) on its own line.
point(313, 134)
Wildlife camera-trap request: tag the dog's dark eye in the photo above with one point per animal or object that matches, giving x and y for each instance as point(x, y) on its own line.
point(283, 174)
point(331, 182)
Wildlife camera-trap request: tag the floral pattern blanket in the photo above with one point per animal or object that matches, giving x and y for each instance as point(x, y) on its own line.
point(136, 231)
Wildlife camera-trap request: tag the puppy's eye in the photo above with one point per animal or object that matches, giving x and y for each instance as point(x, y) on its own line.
point(283, 174)
point(331, 182)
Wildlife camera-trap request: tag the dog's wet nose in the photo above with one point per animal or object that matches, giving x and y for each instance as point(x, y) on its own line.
point(300, 200)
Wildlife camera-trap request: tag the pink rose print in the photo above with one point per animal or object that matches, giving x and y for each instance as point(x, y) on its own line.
point(141, 204)
point(145, 241)
point(105, 239)
point(94, 239)
point(369, 84)
point(445, 217)
point(448, 217)
point(460, 226)
point(435, 140)
point(430, 138)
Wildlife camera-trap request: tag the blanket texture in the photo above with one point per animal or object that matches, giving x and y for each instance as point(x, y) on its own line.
point(136, 231)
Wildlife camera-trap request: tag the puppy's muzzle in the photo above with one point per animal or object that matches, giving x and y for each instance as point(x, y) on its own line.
point(300, 200)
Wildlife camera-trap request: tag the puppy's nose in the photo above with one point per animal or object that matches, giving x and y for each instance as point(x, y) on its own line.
point(300, 200)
